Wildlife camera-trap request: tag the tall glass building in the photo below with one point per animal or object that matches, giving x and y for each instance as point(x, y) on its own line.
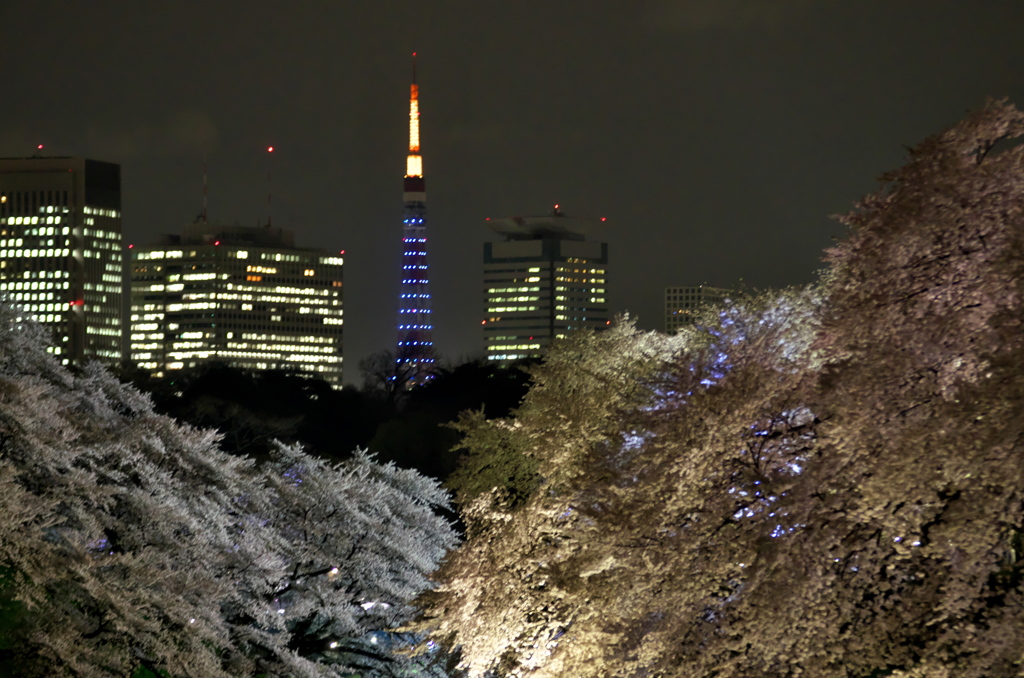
point(544, 281)
point(236, 295)
point(61, 251)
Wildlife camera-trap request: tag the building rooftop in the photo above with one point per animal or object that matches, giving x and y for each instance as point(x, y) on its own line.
point(555, 225)
point(201, 233)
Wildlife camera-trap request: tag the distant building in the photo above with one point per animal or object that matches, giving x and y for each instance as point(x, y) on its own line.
point(61, 251)
point(243, 296)
point(683, 303)
point(541, 283)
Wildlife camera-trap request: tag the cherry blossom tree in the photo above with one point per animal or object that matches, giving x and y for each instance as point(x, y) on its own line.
point(128, 540)
point(821, 482)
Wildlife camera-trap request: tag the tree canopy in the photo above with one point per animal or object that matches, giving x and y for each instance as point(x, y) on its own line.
point(128, 540)
point(255, 409)
point(821, 482)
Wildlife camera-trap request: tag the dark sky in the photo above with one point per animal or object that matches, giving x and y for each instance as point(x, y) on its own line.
point(715, 135)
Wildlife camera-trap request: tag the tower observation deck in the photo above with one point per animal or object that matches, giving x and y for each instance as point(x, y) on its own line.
point(415, 349)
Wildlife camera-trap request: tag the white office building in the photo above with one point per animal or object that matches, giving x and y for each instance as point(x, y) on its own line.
point(542, 282)
point(61, 252)
point(241, 296)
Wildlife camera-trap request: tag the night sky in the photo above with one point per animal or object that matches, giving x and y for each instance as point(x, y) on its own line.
point(715, 135)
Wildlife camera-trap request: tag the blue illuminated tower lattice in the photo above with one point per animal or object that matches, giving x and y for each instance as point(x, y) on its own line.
point(415, 350)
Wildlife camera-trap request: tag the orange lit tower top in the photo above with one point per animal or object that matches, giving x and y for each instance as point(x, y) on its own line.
point(414, 163)
point(415, 350)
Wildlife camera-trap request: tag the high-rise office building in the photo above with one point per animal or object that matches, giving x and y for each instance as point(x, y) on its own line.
point(238, 295)
point(682, 304)
point(542, 282)
point(61, 251)
point(415, 349)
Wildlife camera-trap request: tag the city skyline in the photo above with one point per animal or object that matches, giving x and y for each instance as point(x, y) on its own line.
point(724, 133)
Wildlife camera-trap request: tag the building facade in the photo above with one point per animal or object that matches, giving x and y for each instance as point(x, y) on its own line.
point(61, 252)
point(682, 304)
point(542, 282)
point(414, 351)
point(241, 296)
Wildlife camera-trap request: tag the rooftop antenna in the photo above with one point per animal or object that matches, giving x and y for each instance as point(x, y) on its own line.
point(414, 111)
point(204, 186)
point(270, 186)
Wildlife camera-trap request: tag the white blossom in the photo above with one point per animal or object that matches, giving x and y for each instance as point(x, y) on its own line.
point(127, 539)
point(826, 482)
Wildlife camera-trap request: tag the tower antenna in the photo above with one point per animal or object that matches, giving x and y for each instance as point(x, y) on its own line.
point(270, 187)
point(414, 124)
point(204, 186)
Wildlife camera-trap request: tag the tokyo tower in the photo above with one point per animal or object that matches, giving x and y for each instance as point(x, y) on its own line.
point(415, 350)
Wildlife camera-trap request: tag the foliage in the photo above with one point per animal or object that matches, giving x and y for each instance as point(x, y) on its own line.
point(496, 460)
point(822, 482)
point(388, 375)
point(501, 453)
point(420, 435)
point(131, 542)
point(252, 410)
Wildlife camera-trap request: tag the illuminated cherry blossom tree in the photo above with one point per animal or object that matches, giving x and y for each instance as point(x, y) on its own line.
point(819, 482)
point(128, 540)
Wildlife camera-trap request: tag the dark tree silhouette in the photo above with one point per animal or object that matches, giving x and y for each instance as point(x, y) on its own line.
point(421, 436)
point(253, 409)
